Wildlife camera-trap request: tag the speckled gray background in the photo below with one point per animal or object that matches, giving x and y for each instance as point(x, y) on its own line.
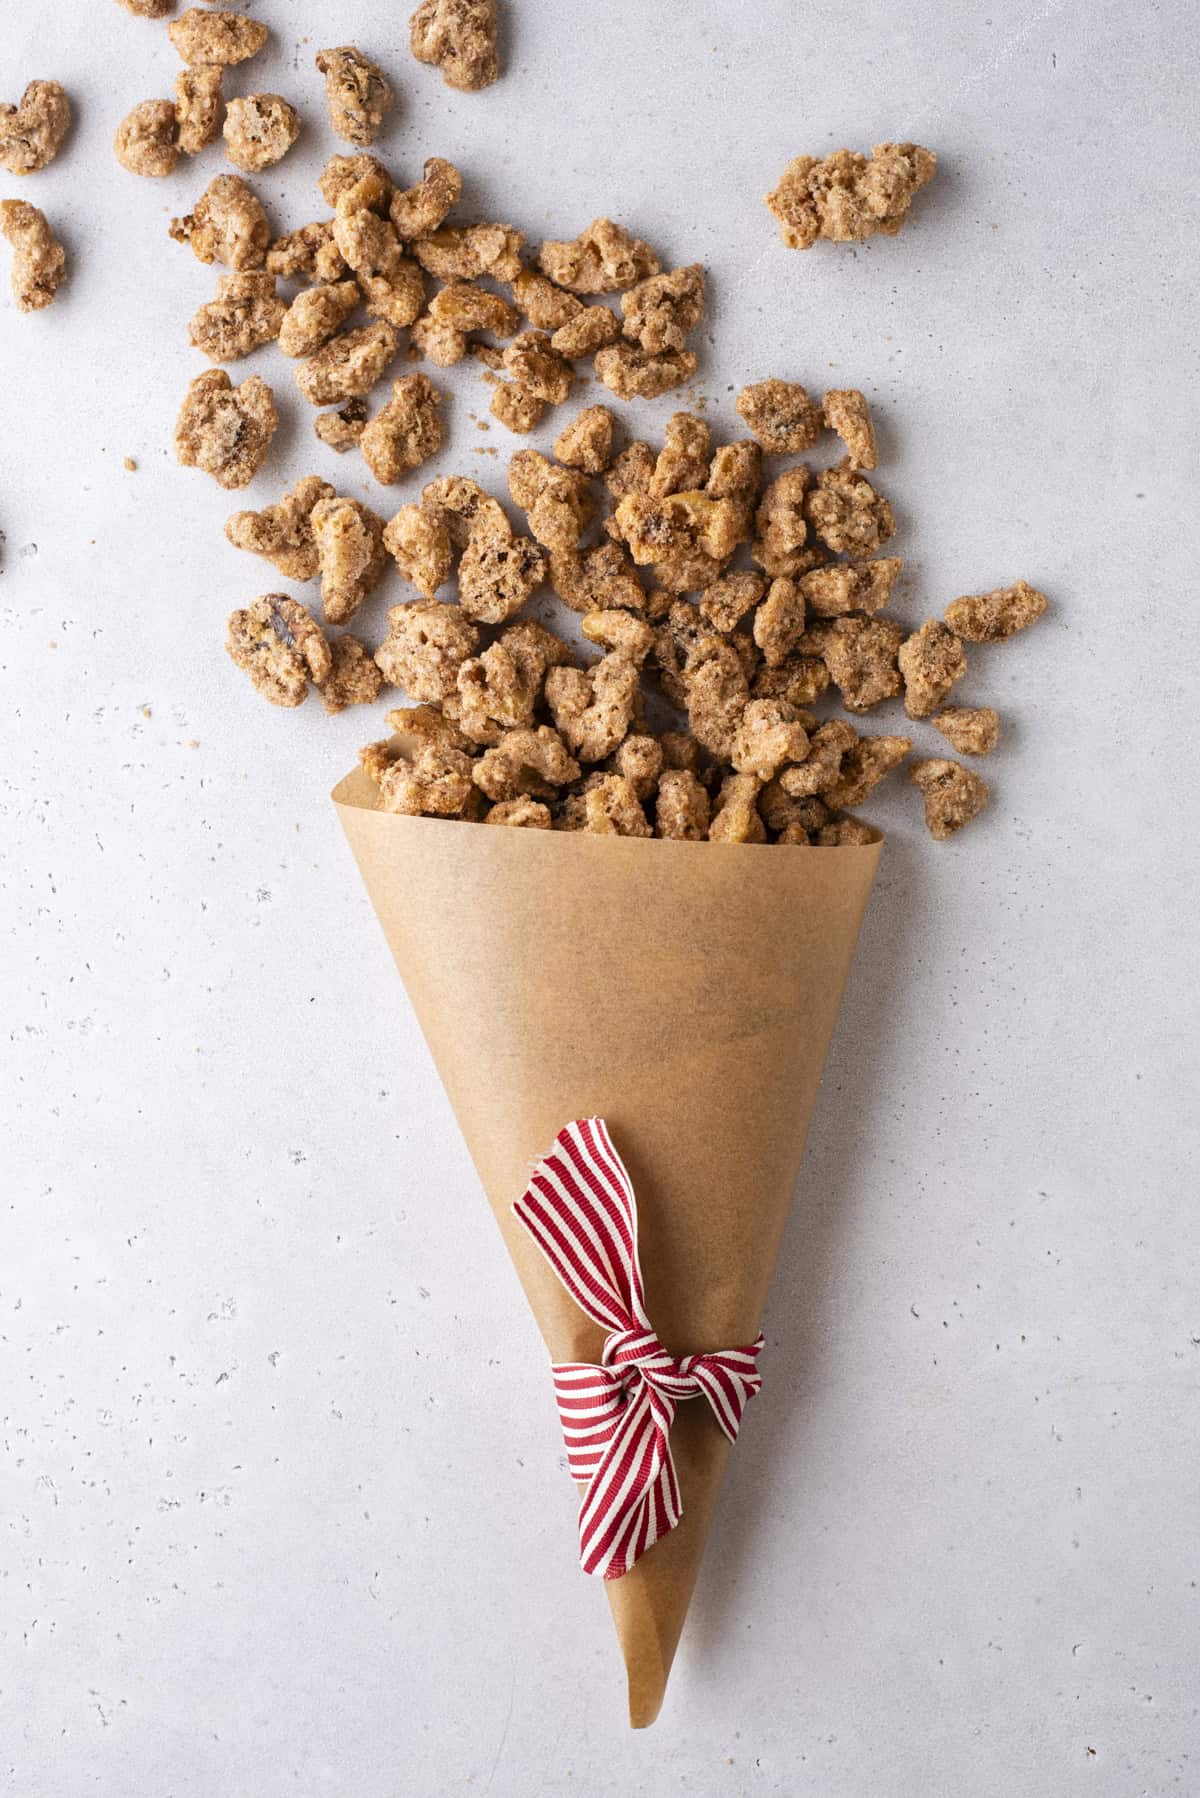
point(281, 1504)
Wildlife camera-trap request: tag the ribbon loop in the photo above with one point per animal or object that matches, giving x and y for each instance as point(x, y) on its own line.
point(616, 1415)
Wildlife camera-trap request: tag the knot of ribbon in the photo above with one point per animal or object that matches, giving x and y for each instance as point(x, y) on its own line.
point(616, 1414)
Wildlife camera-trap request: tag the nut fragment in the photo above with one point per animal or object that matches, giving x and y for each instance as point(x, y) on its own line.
point(767, 737)
point(522, 814)
point(604, 258)
point(497, 574)
point(779, 621)
point(464, 307)
point(845, 411)
point(996, 616)
point(591, 329)
point(717, 694)
point(147, 140)
point(283, 532)
point(864, 765)
point(953, 795)
point(315, 315)
point(850, 587)
point(341, 173)
point(532, 762)
point(780, 416)
point(308, 254)
point(348, 366)
point(780, 547)
point(683, 461)
point(342, 430)
point(633, 373)
point(259, 130)
point(586, 443)
point(970, 730)
point(419, 540)
point(246, 314)
point(354, 677)
point(537, 367)
point(557, 501)
point(594, 707)
point(280, 646)
point(149, 9)
point(848, 197)
point(225, 430)
point(931, 660)
point(682, 807)
point(860, 654)
point(350, 553)
point(426, 645)
point(736, 818)
point(459, 37)
point(660, 311)
point(546, 306)
point(198, 106)
point(820, 768)
point(418, 211)
point(39, 260)
point(607, 806)
point(216, 37)
point(464, 252)
point(357, 93)
point(406, 431)
point(228, 225)
point(846, 513)
point(32, 132)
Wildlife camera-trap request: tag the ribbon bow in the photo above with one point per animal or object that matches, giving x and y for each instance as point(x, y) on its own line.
point(581, 1210)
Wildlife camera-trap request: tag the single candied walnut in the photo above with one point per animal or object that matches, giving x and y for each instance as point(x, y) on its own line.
point(315, 315)
point(632, 471)
point(357, 93)
point(593, 328)
point(780, 812)
point(969, 729)
point(596, 580)
point(780, 547)
point(348, 366)
point(246, 313)
point(736, 818)
point(779, 621)
point(640, 761)
point(780, 416)
point(521, 814)
point(660, 311)
point(607, 806)
point(280, 646)
point(846, 513)
point(467, 509)
point(406, 431)
point(419, 541)
point(844, 833)
point(459, 37)
point(683, 461)
point(557, 501)
point(149, 9)
point(726, 602)
point(538, 368)
point(717, 694)
point(799, 680)
point(546, 306)
point(463, 307)
point(735, 470)
point(342, 430)
point(308, 254)
point(931, 660)
point(848, 197)
point(953, 795)
point(147, 140)
point(32, 132)
point(225, 430)
point(518, 408)
point(820, 768)
point(850, 587)
point(39, 260)
point(350, 554)
point(499, 690)
point(586, 443)
point(658, 530)
point(228, 225)
point(604, 258)
point(497, 574)
point(682, 640)
point(198, 106)
point(464, 252)
point(768, 736)
point(531, 762)
point(436, 783)
point(682, 807)
point(354, 677)
point(623, 632)
point(341, 173)
point(259, 130)
point(216, 37)
point(283, 532)
point(864, 765)
point(996, 616)
point(418, 211)
point(594, 707)
point(860, 654)
point(633, 373)
point(426, 645)
point(845, 411)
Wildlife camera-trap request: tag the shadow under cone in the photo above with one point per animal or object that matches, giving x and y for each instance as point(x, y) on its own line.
point(686, 992)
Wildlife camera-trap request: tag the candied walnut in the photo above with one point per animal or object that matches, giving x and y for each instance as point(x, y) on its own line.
point(864, 765)
point(557, 501)
point(860, 654)
point(464, 307)
point(799, 680)
point(436, 783)
point(522, 814)
point(538, 368)
point(850, 587)
point(518, 408)
point(357, 93)
point(225, 38)
point(780, 812)
point(417, 211)
point(953, 795)
point(406, 431)
point(848, 197)
point(780, 416)
point(198, 106)
point(717, 693)
point(735, 470)
point(441, 343)
point(736, 818)
point(780, 546)
point(846, 513)
point(632, 373)
point(419, 541)
point(592, 329)
point(682, 807)
point(639, 760)
point(659, 312)
point(280, 646)
point(32, 132)
point(586, 443)
point(315, 315)
point(845, 411)
point(309, 254)
point(676, 639)
point(259, 130)
point(467, 509)
point(149, 9)
point(684, 458)
point(623, 632)
point(632, 472)
point(658, 530)
point(594, 707)
point(229, 226)
point(464, 252)
point(931, 660)
point(348, 366)
point(459, 37)
point(608, 806)
point(498, 690)
point(497, 575)
point(546, 306)
point(531, 762)
point(147, 140)
point(246, 313)
point(779, 621)
point(350, 554)
point(353, 678)
point(283, 532)
point(392, 283)
point(343, 429)
point(996, 616)
point(226, 430)
point(426, 645)
point(341, 173)
point(596, 580)
point(844, 833)
point(768, 736)
point(39, 260)
point(971, 730)
point(604, 258)
point(812, 777)
point(726, 602)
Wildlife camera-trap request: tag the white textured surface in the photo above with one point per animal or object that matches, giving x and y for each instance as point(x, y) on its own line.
point(281, 1503)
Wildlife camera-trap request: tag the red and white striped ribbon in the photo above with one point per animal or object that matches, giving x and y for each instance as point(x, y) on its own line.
point(581, 1210)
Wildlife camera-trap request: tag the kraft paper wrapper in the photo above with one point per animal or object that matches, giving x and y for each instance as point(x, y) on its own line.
point(686, 992)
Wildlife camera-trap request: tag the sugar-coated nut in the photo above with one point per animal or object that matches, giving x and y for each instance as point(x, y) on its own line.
point(228, 225)
point(459, 37)
point(864, 765)
point(780, 812)
point(259, 130)
point(735, 470)
point(357, 93)
point(780, 416)
point(246, 314)
point(516, 407)
point(149, 9)
point(639, 760)
point(435, 783)
point(820, 768)
point(660, 311)
point(586, 443)
point(342, 430)
point(592, 329)
point(596, 580)
point(531, 762)
point(464, 307)
point(622, 631)
point(39, 260)
point(850, 587)
point(341, 173)
point(406, 431)
point(198, 106)
point(846, 412)
point(468, 510)
point(497, 691)
point(557, 501)
point(537, 367)
point(280, 646)
point(32, 132)
point(726, 602)
point(426, 645)
point(767, 737)
point(736, 818)
point(546, 306)
point(633, 373)
point(717, 694)
point(607, 806)
point(779, 548)
point(846, 513)
point(464, 252)
point(441, 343)
point(683, 461)
point(147, 140)
point(681, 809)
point(496, 576)
point(418, 211)
point(996, 616)
point(953, 795)
point(594, 707)
point(848, 197)
point(315, 315)
point(392, 282)
point(779, 621)
point(350, 554)
point(844, 833)
point(225, 430)
point(419, 541)
point(604, 258)
point(226, 38)
point(931, 660)
point(971, 730)
point(631, 472)
point(521, 814)
point(658, 530)
point(348, 366)
point(354, 677)
point(800, 680)
point(309, 253)
point(860, 654)
point(283, 532)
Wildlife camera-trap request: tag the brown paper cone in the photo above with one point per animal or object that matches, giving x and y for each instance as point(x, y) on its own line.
point(686, 992)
